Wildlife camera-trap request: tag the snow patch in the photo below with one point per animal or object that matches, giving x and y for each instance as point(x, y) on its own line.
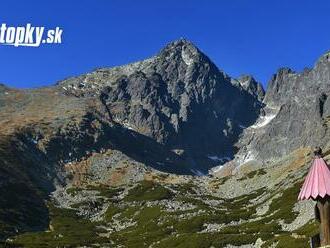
point(245, 82)
point(219, 159)
point(186, 58)
point(126, 124)
point(197, 172)
point(264, 120)
point(249, 156)
point(216, 169)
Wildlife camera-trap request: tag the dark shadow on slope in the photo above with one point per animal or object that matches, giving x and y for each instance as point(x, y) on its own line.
point(27, 173)
point(69, 145)
point(22, 205)
point(146, 150)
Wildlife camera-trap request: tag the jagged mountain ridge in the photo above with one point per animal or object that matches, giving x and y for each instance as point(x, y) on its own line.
point(182, 101)
point(178, 98)
point(295, 114)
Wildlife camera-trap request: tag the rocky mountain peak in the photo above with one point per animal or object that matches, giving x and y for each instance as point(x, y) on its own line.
point(253, 87)
point(183, 50)
point(180, 44)
point(322, 66)
point(278, 86)
point(325, 58)
point(178, 98)
point(296, 114)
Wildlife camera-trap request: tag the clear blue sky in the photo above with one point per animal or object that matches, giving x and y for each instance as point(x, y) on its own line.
point(240, 36)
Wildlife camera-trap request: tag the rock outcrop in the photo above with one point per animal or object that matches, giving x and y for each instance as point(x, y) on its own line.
point(252, 86)
point(178, 98)
point(295, 114)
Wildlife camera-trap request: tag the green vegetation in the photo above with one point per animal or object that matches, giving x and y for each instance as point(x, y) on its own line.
point(205, 240)
point(252, 174)
point(155, 225)
point(310, 229)
point(186, 188)
point(300, 237)
point(21, 205)
point(146, 231)
point(73, 191)
point(104, 190)
point(279, 209)
point(68, 230)
point(148, 191)
point(111, 211)
point(283, 205)
point(220, 181)
point(287, 241)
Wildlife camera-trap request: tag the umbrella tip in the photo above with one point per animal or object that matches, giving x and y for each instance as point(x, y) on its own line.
point(317, 151)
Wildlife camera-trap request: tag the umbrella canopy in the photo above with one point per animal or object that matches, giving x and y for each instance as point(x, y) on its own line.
point(317, 182)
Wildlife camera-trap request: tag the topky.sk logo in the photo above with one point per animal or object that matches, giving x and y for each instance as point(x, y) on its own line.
point(29, 36)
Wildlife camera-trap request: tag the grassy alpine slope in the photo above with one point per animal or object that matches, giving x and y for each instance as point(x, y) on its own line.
point(182, 211)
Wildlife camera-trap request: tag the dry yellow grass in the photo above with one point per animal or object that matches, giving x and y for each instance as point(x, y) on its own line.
point(45, 106)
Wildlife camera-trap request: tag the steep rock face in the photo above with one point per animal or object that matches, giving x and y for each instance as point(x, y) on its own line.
point(296, 114)
point(253, 87)
point(178, 98)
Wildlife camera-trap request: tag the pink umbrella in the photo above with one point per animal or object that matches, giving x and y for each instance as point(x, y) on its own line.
point(317, 182)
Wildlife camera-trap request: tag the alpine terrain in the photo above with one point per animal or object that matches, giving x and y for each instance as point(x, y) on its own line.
point(166, 152)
